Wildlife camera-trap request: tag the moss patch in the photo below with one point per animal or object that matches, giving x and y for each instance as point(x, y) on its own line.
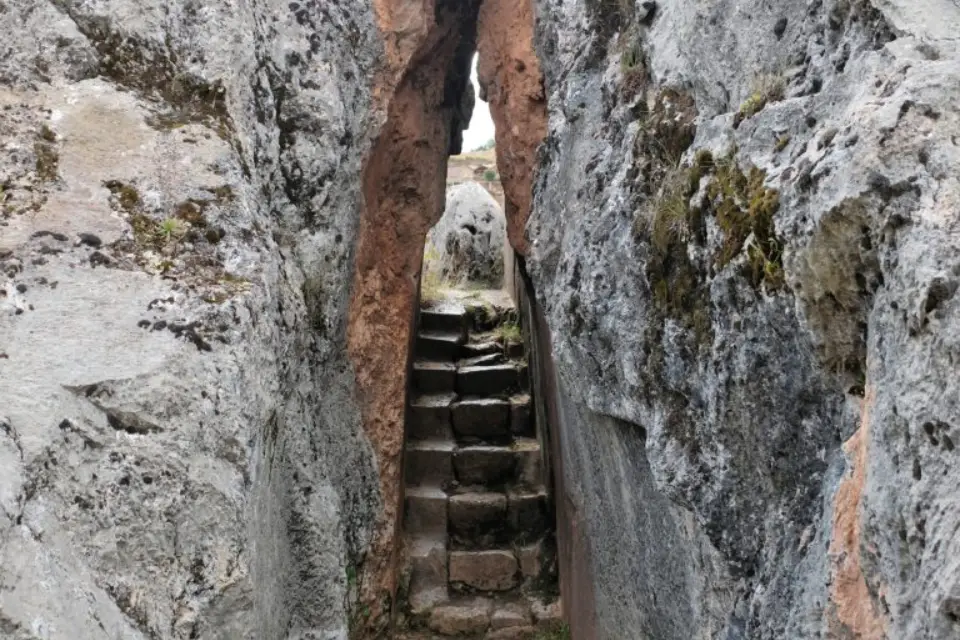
point(48, 160)
point(678, 286)
point(125, 196)
point(744, 209)
point(666, 130)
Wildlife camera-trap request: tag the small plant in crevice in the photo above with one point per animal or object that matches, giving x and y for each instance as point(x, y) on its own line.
point(631, 57)
point(677, 267)
point(744, 209)
point(170, 229)
point(508, 332)
point(490, 175)
point(633, 67)
point(678, 284)
point(765, 88)
point(667, 127)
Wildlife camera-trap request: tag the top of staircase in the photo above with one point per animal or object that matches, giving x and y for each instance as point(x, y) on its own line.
point(458, 300)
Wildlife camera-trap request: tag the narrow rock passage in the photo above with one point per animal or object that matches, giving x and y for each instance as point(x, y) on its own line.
point(478, 521)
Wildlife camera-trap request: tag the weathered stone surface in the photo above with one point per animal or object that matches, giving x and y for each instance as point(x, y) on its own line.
point(466, 245)
point(177, 224)
point(428, 573)
point(434, 377)
point(485, 465)
point(529, 463)
point(521, 419)
point(512, 633)
point(484, 418)
point(547, 614)
point(478, 519)
point(512, 84)
point(459, 619)
point(489, 570)
point(426, 511)
point(527, 515)
point(487, 347)
point(487, 380)
point(430, 417)
point(429, 463)
point(436, 345)
point(706, 375)
point(450, 317)
point(484, 360)
point(419, 90)
point(510, 615)
point(531, 560)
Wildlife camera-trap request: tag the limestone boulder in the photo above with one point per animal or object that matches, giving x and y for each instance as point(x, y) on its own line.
point(466, 245)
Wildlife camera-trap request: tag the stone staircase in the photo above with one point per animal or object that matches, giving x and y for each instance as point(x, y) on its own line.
point(481, 559)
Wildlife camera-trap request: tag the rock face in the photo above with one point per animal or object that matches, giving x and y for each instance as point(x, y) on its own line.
point(742, 242)
point(744, 247)
point(466, 245)
point(508, 71)
point(181, 453)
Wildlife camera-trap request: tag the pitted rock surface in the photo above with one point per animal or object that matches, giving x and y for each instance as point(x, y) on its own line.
point(179, 432)
point(466, 245)
point(743, 238)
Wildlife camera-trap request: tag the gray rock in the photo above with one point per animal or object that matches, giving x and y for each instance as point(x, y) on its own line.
point(702, 407)
point(180, 436)
point(466, 245)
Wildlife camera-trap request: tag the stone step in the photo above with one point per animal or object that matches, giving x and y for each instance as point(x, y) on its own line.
point(487, 570)
point(461, 617)
point(494, 466)
point(521, 416)
point(476, 348)
point(527, 516)
point(485, 360)
point(428, 573)
point(478, 520)
point(429, 417)
point(523, 377)
point(429, 463)
point(510, 615)
point(425, 511)
point(452, 319)
point(481, 419)
point(439, 345)
point(488, 380)
point(537, 560)
point(493, 617)
point(525, 632)
point(489, 519)
point(430, 376)
point(514, 349)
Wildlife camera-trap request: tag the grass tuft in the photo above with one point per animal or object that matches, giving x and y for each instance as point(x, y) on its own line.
point(766, 88)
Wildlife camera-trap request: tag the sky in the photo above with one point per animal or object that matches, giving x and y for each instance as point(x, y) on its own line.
point(481, 124)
